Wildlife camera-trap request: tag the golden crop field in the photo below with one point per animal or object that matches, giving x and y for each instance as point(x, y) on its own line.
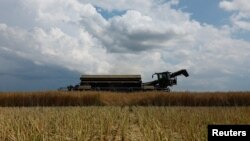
point(115, 123)
point(111, 116)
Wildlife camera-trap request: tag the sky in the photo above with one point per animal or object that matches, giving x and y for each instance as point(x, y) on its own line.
point(47, 44)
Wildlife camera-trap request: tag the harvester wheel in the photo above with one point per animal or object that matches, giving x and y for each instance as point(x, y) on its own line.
point(167, 90)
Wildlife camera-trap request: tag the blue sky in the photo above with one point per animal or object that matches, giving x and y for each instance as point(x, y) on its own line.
point(47, 44)
point(209, 12)
point(206, 11)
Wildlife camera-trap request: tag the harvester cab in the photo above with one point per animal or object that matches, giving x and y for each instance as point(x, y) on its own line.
point(166, 79)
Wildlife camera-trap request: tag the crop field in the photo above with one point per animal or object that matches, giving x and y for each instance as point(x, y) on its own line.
point(97, 98)
point(109, 116)
point(113, 123)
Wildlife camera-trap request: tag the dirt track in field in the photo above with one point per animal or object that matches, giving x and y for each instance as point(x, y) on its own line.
point(134, 131)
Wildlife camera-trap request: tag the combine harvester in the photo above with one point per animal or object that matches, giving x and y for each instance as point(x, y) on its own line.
point(127, 82)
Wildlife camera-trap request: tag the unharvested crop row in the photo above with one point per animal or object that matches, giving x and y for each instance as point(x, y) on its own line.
point(96, 98)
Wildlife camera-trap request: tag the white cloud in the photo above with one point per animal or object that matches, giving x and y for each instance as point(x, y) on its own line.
point(233, 5)
point(55, 47)
point(241, 9)
point(148, 37)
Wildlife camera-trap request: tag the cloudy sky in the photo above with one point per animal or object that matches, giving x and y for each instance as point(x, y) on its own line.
point(45, 44)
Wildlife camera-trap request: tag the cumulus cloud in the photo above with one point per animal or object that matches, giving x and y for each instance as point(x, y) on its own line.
point(241, 9)
point(137, 32)
point(54, 47)
point(148, 36)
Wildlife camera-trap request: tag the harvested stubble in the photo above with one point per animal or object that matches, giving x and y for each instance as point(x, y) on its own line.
point(115, 123)
point(97, 98)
